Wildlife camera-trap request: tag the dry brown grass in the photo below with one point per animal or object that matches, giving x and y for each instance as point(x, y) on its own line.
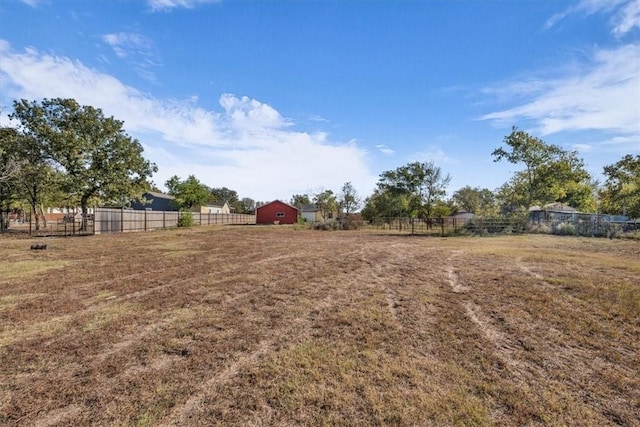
point(276, 326)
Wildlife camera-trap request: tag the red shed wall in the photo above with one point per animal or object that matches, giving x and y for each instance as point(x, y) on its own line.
point(266, 214)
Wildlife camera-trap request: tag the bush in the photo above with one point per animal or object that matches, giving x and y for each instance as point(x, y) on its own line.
point(565, 229)
point(326, 226)
point(185, 219)
point(350, 223)
point(614, 231)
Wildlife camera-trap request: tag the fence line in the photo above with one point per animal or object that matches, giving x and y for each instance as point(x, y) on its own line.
point(431, 226)
point(594, 226)
point(127, 220)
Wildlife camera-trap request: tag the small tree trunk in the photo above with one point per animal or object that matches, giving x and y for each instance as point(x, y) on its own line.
point(83, 203)
point(44, 217)
point(36, 216)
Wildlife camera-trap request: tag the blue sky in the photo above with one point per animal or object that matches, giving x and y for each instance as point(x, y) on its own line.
point(273, 98)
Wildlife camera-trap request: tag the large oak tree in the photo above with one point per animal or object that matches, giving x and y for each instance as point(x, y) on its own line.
point(550, 174)
point(621, 191)
point(422, 183)
point(97, 160)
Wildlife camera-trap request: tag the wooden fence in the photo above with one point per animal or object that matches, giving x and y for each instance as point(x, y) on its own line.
point(126, 220)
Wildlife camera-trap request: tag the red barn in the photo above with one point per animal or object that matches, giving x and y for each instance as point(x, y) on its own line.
point(276, 212)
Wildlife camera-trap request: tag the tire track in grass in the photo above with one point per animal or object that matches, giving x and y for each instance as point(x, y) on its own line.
point(380, 276)
point(25, 332)
point(504, 349)
point(58, 416)
point(454, 281)
point(297, 328)
point(165, 361)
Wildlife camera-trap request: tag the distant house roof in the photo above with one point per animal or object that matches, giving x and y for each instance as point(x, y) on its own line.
point(559, 207)
point(463, 213)
point(277, 201)
point(159, 195)
point(312, 207)
point(217, 204)
point(555, 207)
point(152, 200)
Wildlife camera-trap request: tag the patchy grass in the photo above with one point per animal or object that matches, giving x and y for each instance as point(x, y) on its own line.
point(285, 326)
point(26, 269)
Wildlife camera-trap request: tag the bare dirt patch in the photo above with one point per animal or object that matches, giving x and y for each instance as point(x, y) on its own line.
point(277, 326)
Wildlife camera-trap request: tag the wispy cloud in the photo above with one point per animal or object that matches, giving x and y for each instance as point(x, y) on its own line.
point(164, 5)
point(582, 148)
point(385, 150)
point(124, 43)
point(603, 95)
point(247, 145)
point(432, 154)
point(599, 93)
point(32, 3)
point(625, 13)
point(136, 48)
point(627, 18)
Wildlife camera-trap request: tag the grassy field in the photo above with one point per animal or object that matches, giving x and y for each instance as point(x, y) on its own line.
point(276, 326)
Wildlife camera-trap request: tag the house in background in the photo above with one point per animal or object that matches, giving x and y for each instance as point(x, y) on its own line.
point(276, 212)
point(553, 212)
point(151, 201)
point(212, 208)
point(310, 213)
point(463, 215)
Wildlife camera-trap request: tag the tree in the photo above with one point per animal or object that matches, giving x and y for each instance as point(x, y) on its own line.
point(224, 194)
point(247, 205)
point(188, 193)
point(442, 208)
point(620, 193)
point(300, 199)
point(97, 160)
point(349, 200)
point(32, 174)
point(326, 202)
point(480, 201)
point(9, 164)
point(422, 183)
point(385, 204)
point(10, 168)
point(550, 173)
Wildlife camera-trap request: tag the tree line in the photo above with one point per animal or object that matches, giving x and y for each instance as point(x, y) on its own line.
point(58, 153)
point(549, 175)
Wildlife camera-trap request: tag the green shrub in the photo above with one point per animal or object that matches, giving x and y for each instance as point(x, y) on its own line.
point(565, 229)
point(185, 219)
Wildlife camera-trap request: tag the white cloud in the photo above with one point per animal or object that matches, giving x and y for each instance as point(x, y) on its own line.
point(156, 5)
point(250, 115)
point(248, 146)
point(384, 149)
point(603, 94)
point(627, 18)
point(137, 48)
point(584, 7)
point(123, 43)
point(432, 154)
point(625, 13)
point(582, 148)
point(318, 118)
